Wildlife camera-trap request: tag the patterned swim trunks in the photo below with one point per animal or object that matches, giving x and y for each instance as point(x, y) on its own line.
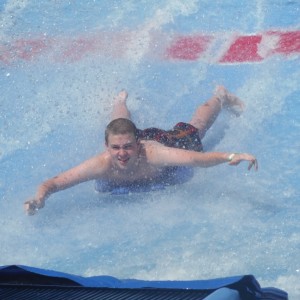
point(183, 136)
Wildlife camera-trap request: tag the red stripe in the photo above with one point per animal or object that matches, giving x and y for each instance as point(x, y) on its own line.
point(22, 49)
point(188, 48)
point(233, 49)
point(289, 42)
point(243, 49)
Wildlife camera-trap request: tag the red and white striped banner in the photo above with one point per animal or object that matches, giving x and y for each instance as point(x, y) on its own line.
point(230, 48)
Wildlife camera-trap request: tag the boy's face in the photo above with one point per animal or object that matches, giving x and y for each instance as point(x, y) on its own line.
point(124, 150)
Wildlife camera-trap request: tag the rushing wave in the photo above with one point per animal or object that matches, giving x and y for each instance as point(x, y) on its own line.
point(61, 65)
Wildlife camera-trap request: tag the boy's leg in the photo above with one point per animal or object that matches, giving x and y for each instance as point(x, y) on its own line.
point(207, 113)
point(120, 109)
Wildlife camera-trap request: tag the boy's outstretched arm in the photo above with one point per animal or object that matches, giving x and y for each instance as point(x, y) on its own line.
point(166, 156)
point(88, 170)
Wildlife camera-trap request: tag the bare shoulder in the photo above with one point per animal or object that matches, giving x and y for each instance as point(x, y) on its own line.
point(155, 152)
point(160, 155)
point(95, 166)
point(151, 147)
point(102, 161)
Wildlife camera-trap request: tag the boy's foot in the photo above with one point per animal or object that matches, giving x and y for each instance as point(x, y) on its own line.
point(121, 97)
point(229, 101)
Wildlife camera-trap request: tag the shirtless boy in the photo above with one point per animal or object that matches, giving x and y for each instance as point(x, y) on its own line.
point(134, 156)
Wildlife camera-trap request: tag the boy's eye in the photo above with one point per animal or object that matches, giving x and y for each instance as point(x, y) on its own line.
point(127, 147)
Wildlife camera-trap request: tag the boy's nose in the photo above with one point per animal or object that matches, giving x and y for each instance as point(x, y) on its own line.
point(122, 151)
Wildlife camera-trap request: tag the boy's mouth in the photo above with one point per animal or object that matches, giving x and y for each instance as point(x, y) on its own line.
point(123, 160)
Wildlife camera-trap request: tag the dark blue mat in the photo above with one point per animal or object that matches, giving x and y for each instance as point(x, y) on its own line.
point(23, 282)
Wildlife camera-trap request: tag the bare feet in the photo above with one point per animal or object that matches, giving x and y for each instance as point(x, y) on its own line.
point(229, 101)
point(120, 109)
point(121, 97)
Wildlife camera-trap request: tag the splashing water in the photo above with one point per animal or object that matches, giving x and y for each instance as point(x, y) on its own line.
point(62, 63)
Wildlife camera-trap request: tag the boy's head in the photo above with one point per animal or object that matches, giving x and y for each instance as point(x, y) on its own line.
point(120, 126)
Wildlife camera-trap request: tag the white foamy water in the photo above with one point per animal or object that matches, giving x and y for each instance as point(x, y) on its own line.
point(56, 96)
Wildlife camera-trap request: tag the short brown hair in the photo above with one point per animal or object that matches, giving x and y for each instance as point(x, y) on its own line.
point(120, 126)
